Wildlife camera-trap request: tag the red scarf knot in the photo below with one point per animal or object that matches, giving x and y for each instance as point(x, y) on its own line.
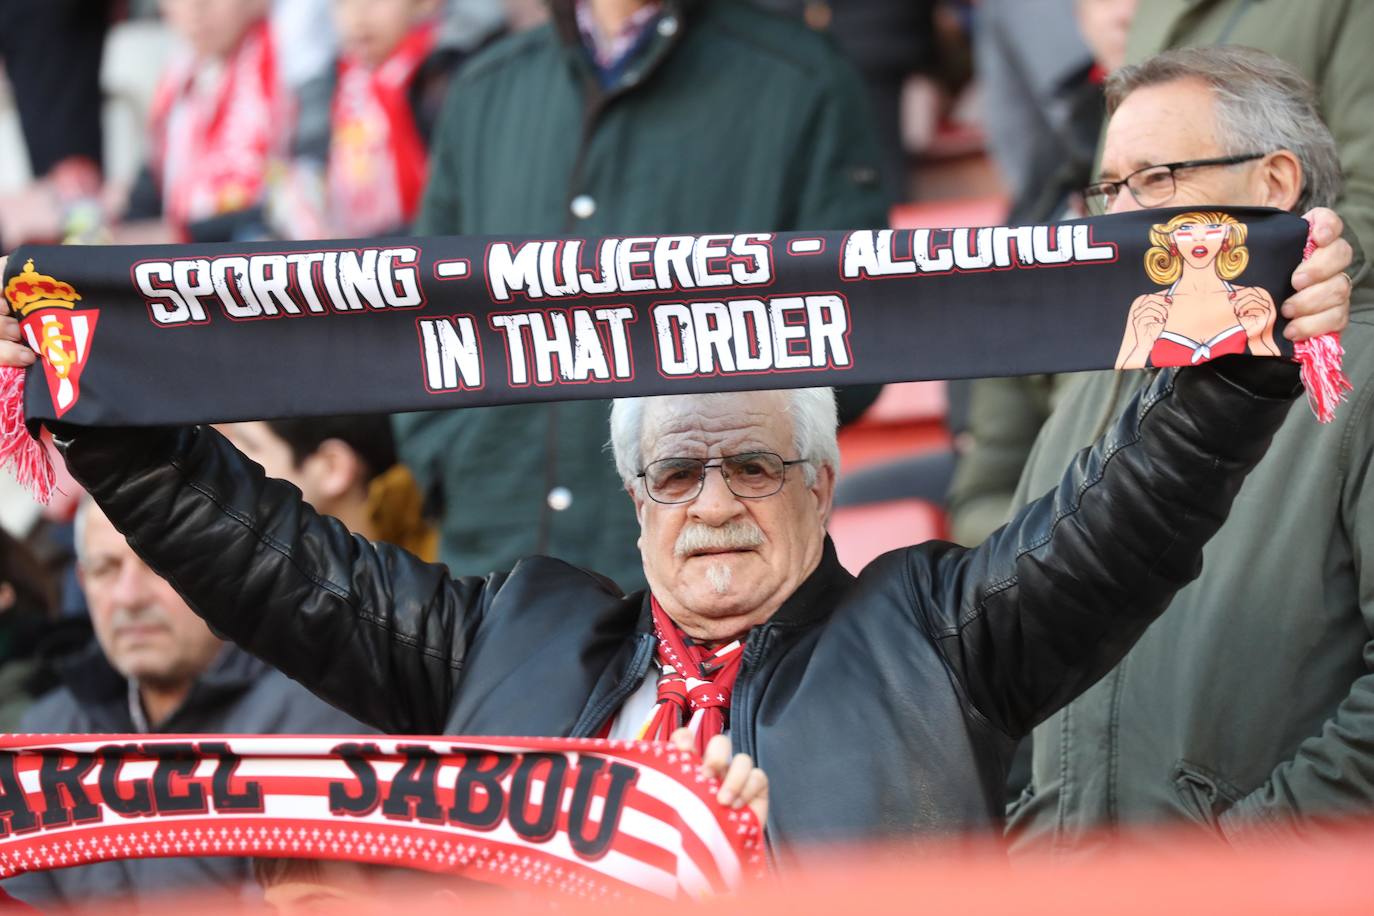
point(696, 683)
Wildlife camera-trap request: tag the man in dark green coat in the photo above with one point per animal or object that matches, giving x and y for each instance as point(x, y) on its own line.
point(680, 117)
point(1247, 708)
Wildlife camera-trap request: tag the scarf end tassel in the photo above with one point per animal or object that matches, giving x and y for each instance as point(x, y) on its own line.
point(22, 454)
point(1326, 384)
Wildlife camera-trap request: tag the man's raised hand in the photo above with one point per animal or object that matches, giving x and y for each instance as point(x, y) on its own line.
point(1321, 301)
point(13, 351)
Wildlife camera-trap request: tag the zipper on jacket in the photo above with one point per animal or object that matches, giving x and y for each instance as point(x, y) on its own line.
point(741, 721)
point(742, 706)
point(597, 103)
point(596, 714)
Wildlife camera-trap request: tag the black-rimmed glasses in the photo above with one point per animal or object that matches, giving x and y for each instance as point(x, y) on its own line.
point(751, 475)
point(1153, 185)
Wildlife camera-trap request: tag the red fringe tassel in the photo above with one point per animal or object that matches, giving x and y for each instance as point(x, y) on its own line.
point(21, 453)
point(1326, 384)
point(1320, 357)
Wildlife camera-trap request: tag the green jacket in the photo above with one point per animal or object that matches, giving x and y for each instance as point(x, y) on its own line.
point(1328, 41)
point(729, 120)
point(1248, 706)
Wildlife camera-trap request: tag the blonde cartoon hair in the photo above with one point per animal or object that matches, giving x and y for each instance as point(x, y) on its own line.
point(1164, 264)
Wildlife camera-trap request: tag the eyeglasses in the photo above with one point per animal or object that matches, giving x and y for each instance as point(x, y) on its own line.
point(1152, 186)
point(752, 475)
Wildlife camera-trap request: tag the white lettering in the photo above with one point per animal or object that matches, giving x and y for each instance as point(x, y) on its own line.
point(451, 355)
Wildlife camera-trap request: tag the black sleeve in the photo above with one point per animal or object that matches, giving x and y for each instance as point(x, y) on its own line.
point(1049, 603)
point(370, 628)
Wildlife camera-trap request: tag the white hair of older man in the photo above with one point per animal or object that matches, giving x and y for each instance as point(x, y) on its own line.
point(814, 424)
point(79, 521)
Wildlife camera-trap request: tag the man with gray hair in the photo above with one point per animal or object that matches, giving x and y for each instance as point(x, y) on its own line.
point(1248, 707)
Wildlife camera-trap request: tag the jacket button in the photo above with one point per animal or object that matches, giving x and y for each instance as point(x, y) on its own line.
point(667, 26)
point(560, 498)
point(583, 206)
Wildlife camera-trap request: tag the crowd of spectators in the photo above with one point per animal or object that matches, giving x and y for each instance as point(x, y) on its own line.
point(1247, 709)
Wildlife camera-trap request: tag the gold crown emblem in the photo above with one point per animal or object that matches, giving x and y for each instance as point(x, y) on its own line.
point(31, 290)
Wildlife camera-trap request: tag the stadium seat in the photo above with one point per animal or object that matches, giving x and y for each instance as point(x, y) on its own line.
point(908, 418)
point(862, 533)
point(990, 210)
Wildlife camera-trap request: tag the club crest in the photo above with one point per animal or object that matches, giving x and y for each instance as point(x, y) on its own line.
point(56, 328)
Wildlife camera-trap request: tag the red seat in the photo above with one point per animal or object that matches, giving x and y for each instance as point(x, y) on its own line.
point(951, 214)
point(909, 402)
point(862, 533)
point(908, 418)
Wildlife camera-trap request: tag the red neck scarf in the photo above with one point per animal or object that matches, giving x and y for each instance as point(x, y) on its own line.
point(213, 134)
point(377, 158)
point(696, 684)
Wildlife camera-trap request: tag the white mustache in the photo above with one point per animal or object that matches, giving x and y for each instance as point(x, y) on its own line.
point(144, 616)
point(739, 534)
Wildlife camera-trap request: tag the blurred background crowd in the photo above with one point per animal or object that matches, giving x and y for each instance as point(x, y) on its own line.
point(140, 121)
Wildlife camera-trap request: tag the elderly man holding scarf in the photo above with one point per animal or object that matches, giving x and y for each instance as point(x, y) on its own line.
point(881, 704)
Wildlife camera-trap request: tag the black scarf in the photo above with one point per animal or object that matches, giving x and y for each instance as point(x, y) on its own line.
point(159, 335)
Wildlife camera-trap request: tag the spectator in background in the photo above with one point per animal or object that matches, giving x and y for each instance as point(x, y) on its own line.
point(1326, 42)
point(302, 887)
point(215, 124)
point(344, 466)
point(51, 51)
point(1248, 707)
point(156, 667)
point(1058, 161)
point(1025, 54)
point(621, 118)
point(888, 41)
point(1047, 165)
point(361, 173)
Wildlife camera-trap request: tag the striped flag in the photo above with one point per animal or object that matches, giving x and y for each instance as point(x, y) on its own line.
point(572, 816)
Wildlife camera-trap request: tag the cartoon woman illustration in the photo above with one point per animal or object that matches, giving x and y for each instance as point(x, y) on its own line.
point(1202, 314)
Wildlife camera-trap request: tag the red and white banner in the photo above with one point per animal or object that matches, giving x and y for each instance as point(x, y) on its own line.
point(575, 816)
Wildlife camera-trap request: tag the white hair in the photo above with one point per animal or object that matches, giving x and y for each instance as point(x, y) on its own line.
point(79, 524)
point(814, 422)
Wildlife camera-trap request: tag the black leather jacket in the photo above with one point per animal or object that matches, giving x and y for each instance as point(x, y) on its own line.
point(880, 705)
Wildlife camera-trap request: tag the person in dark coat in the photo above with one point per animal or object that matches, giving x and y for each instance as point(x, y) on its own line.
point(684, 116)
point(156, 668)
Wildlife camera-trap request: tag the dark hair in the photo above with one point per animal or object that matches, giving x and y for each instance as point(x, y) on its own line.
point(367, 434)
point(35, 592)
point(271, 872)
